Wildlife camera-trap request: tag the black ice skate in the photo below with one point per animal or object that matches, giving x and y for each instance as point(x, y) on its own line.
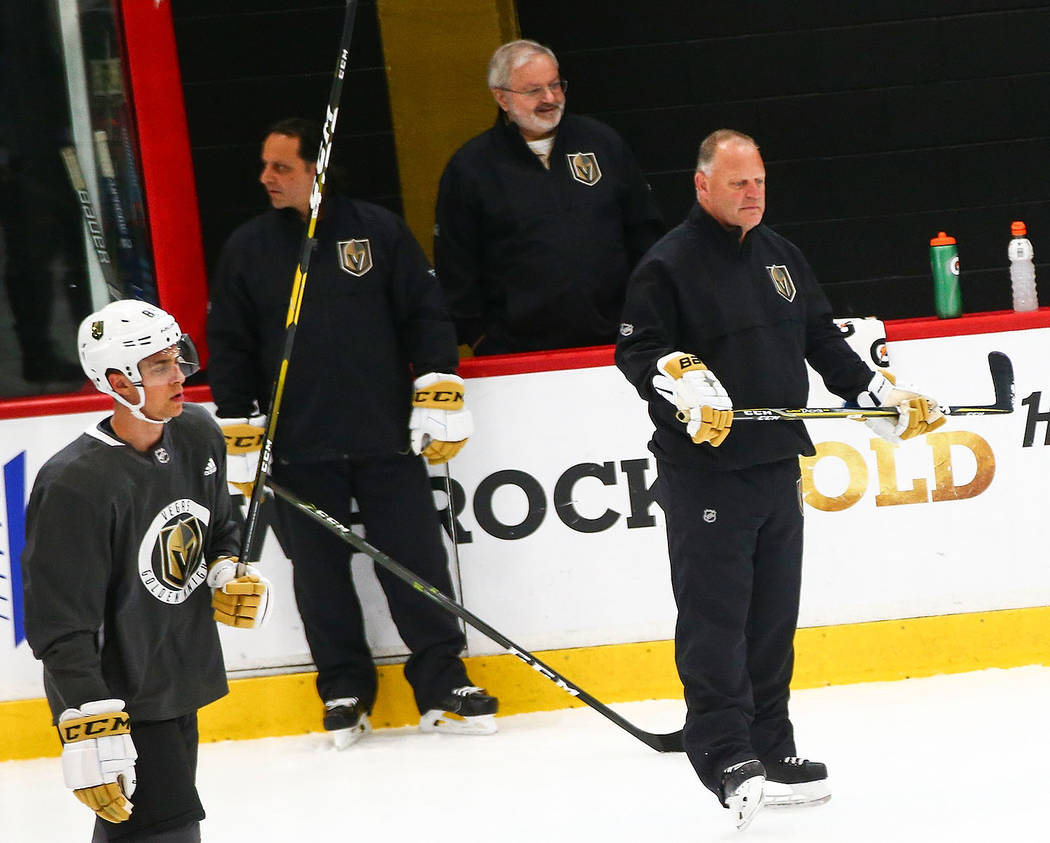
point(347, 720)
point(465, 711)
point(795, 781)
point(742, 791)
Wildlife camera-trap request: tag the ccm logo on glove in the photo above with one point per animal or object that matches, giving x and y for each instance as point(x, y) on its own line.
point(85, 728)
point(444, 395)
point(440, 423)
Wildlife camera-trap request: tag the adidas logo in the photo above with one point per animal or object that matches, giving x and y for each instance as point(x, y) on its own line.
point(210, 468)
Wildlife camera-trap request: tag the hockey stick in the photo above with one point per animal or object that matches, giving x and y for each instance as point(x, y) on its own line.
point(127, 259)
point(999, 365)
point(91, 220)
point(671, 742)
point(251, 535)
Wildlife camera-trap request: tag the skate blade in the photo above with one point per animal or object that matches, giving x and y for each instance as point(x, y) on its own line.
point(345, 738)
point(446, 723)
point(746, 801)
point(802, 795)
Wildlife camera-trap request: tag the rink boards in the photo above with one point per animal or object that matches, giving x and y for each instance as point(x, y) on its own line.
point(920, 558)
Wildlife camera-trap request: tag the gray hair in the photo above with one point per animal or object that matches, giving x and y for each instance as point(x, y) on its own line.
point(709, 146)
point(511, 56)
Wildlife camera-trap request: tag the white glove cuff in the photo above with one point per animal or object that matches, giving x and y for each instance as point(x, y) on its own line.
point(224, 570)
point(876, 393)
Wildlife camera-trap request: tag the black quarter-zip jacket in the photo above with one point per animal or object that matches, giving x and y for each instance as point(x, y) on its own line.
point(361, 337)
point(537, 259)
point(702, 291)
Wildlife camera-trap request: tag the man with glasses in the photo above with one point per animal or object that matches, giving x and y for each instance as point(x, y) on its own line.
point(540, 219)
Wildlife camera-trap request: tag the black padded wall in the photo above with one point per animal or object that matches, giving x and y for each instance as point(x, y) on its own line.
point(881, 123)
point(246, 64)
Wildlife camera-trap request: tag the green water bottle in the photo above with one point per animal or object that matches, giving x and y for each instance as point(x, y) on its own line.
point(944, 261)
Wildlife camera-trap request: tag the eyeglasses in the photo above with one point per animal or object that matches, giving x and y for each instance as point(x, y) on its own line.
point(558, 87)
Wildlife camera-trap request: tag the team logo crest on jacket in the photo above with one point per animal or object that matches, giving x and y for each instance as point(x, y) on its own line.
point(782, 281)
point(171, 553)
point(584, 167)
point(355, 256)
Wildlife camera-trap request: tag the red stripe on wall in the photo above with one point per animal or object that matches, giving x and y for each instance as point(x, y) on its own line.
point(976, 323)
point(167, 166)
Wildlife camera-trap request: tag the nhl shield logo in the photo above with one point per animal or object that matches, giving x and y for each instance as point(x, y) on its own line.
point(584, 167)
point(710, 516)
point(355, 256)
point(782, 281)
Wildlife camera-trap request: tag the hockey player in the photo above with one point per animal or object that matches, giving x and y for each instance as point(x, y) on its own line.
point(724, 312)
point(540, 218)
point(352, 424)
point(130, 552)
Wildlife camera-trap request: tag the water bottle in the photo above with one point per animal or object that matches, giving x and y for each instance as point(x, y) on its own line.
point(944, 261)
point(1022, 269)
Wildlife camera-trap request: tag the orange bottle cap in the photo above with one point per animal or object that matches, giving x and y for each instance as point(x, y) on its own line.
point(942, 239)
point(1018, 229)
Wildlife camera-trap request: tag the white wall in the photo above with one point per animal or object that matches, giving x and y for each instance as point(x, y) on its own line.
point(889, 533)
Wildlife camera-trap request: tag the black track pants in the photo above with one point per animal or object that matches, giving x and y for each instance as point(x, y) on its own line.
point(735, 546)
point(397, 509)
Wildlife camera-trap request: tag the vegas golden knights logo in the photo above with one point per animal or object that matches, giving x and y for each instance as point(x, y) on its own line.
point(171, 551)
point(355, 256)
point(180, 545)
point(97, 329)
point(782, 281)
point(584, 167)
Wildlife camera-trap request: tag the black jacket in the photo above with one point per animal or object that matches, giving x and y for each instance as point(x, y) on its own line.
point(700, 290)
point(536, 259)
point(359, 340)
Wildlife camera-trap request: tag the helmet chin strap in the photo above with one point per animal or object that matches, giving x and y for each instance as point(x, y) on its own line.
point(136, 409)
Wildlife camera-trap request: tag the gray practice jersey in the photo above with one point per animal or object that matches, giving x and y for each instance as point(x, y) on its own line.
point(118, 542)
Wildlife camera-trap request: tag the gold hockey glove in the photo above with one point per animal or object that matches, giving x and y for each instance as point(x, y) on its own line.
point(244, 439)
point(98, 757)
point(242, 602)
point(440, 424)
point(917, 414)
point(702, 402)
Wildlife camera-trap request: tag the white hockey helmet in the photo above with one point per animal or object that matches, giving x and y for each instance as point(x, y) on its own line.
point(122, 334)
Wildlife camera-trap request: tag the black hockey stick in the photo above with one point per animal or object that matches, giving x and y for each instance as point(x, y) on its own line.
point(671, 742)
point(999, 365)
point(91, 220)
point(251, 537)
point(127, 259)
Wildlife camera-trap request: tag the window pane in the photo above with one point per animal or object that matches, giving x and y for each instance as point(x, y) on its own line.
point(61, 87)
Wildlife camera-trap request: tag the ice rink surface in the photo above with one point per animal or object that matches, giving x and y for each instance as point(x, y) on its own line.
point(959, 758)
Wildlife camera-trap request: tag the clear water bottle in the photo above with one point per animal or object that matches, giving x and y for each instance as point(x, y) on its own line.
point(1022, 269)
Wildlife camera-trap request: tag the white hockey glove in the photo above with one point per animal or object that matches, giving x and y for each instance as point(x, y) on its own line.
point(98, 757)
point(244, 439)
point(439, 425)
point(243, 602)
point(917, 414)
point(702, 402)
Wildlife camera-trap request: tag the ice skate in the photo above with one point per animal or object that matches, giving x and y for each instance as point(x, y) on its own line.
point(346, 719)
point(792, 782)
point(742, 791)
point(465, 711)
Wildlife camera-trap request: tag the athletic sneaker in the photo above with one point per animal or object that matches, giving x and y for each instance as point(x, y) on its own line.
point(796, 781)
point(347, 719)
point(465, 711)
point(743, 790)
